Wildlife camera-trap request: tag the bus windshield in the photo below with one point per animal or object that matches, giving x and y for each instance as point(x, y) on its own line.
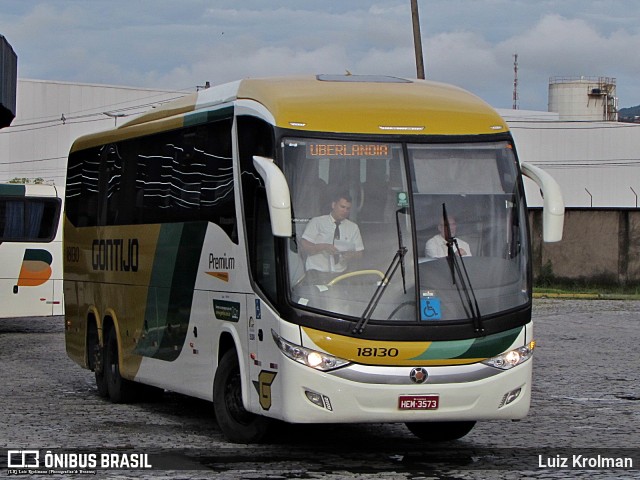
point(408, 232)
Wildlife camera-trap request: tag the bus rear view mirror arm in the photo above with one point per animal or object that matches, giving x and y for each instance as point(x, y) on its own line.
point(553, 204)
point(278, 196)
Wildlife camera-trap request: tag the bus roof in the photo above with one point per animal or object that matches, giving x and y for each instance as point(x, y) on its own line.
point(331, 103)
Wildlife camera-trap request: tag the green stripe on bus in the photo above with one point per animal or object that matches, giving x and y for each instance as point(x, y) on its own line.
point(170, 296)
point(37, 254)
point(483, 347)
point(492, 345)
point(197, 118)
point(11, 190)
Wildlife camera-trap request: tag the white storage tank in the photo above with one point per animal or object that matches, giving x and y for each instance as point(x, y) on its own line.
point(583, 98)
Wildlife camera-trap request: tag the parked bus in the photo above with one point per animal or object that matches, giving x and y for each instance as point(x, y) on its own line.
point(187, 267)
point(30, 250)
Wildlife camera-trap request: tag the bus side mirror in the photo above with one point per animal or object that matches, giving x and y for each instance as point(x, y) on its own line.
point(278, 196)
point(553, 204)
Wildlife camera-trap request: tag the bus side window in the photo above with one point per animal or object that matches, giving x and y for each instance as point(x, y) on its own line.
point(28, 220)
point(2, 218)
point(212, 164)
point(82, 187)
point(12, 219)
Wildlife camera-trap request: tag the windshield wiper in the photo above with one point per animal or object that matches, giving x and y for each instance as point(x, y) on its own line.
point(455, 261)
point(397, 261)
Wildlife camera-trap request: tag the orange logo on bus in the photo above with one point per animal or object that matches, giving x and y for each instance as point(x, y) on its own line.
point(224, 276)
point(36, 268)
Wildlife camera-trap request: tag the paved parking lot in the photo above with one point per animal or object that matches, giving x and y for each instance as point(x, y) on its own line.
point(586, 401)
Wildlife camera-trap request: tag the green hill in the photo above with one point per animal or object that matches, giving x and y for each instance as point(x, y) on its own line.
point(629, 113)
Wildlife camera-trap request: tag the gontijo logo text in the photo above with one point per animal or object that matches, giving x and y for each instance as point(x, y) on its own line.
point(22, 462)
point(115, 254)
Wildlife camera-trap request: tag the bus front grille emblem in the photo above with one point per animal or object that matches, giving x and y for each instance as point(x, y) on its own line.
point(418, 375)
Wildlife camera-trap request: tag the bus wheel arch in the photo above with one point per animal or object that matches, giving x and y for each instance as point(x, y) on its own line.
point(237, 424)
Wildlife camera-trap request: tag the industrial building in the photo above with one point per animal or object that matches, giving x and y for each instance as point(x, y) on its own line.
point(595, 159)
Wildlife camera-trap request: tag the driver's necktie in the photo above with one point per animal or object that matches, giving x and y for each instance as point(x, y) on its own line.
point(336, 236)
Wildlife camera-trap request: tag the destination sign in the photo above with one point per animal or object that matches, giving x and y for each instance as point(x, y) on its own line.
point(357, 150)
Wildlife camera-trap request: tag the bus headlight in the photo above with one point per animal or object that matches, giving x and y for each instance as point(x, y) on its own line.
point(512, 358)
point(306, 356)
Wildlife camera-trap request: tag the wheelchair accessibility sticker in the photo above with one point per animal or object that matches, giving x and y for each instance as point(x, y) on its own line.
point(430, 308)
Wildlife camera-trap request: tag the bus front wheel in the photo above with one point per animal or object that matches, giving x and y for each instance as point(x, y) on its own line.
point(440, 431)
point(101, 380)
point(238, 425)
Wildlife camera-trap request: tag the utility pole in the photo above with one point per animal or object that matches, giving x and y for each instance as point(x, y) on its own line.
point(417, 39)
point(515, 82)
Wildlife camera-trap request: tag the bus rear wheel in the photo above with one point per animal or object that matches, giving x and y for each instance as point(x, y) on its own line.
point(440, 431)
point(237, 424)
point(120, 390)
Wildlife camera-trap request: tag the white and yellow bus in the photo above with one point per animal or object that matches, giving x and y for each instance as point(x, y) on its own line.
point(186, 267)
point(30, 250)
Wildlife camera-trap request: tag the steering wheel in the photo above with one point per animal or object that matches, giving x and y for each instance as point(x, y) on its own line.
point(356, 273)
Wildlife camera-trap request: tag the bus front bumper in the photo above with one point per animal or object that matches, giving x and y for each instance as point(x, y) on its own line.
point(359, 393)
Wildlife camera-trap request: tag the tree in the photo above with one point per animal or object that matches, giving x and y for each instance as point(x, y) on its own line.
point(37, 181)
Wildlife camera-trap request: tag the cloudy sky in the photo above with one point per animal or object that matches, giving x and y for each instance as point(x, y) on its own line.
point(178, 44)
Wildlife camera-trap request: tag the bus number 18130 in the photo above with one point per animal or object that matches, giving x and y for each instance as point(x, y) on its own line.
point(377, 352)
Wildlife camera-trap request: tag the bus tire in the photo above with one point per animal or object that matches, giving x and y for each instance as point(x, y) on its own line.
point(237, 425)
point(99, 369)
point(440, 431)
point(120, 390)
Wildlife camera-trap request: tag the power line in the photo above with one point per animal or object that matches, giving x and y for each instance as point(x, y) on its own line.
point(179, 94)
point(56, 125)
point(18, 162)
point(98, 112)
point(624, 162)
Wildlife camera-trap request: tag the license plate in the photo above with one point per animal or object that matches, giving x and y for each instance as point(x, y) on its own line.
point(418, 402)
